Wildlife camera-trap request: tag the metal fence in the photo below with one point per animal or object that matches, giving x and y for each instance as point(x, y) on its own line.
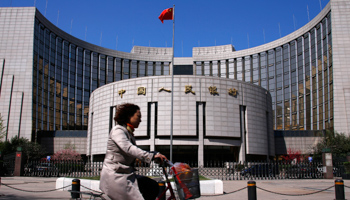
point(63, 168)
point(255, 170)
point(213, 170)
point(8, 165)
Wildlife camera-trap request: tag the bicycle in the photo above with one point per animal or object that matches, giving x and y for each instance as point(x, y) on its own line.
point(187, 183)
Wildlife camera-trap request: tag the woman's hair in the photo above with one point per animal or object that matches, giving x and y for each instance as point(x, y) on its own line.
point(124, 112)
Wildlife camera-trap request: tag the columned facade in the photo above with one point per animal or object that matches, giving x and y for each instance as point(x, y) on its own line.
point(215, 119)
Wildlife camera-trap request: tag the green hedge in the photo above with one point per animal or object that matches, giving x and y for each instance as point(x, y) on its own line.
point(347, 167)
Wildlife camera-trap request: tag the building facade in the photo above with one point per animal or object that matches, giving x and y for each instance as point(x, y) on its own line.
point(213, 118)
point(47, 76)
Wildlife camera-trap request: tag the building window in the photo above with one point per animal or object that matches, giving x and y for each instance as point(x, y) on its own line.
point(207, 71)
point(166, 68)
point(110, 69)
point(142, 68)
point(183, 70)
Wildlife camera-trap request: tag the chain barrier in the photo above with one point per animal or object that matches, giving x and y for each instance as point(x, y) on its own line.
point(92, 194)
point(225, 193)
point(35, 191)
point(101, 193)
point(294, 194)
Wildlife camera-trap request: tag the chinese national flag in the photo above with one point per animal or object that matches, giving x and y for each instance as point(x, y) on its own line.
point(167, 14)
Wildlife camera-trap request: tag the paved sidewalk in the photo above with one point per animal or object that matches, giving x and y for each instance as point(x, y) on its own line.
point(298, 187)
point(289, 186)
point(34, 184)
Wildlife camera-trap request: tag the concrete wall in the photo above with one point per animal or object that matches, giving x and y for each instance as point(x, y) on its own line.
point(16, 66)
point(303, 144)
point(341, 64)
point(54, 144)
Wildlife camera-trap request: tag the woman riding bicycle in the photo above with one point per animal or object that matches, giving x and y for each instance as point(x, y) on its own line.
point(118, 180)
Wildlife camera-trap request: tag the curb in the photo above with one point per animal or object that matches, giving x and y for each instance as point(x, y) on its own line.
point(209, 187)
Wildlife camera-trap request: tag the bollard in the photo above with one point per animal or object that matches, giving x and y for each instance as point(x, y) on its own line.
point(339, 189)
point(251, 190)
point(161, 185)
point(75, 189)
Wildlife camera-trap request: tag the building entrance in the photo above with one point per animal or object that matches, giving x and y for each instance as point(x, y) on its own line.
point(186, 153)
point(220, 154)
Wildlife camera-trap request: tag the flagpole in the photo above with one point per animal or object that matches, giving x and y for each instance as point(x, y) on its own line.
point(172, 91)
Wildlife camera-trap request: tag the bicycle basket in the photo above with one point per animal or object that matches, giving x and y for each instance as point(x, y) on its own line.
point(187, 184)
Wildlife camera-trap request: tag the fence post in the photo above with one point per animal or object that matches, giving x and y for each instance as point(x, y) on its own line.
point(252, 190)
point(339, 189)
point(75, 189)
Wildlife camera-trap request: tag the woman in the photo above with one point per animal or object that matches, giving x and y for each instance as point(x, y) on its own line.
point(118, 179)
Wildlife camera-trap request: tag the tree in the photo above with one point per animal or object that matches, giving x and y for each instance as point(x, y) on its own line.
point(337, 143)
point(69, 145)
point(292, 155)
point(2, 128)
point(68, 153)
point(30, 150)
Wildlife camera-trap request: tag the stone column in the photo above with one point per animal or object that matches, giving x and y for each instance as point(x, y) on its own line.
point(152, 136)
point(18, 163)
point(327, 164)
point(242, 150)
point(200, 107)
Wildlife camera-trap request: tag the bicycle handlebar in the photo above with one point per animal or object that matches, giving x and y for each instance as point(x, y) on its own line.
point(168, 162)
point(164, 162)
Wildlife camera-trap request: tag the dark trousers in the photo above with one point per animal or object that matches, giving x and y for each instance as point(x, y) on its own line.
point(149, 188)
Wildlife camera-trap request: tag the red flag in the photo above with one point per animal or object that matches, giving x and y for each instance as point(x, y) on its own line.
point(167, 14)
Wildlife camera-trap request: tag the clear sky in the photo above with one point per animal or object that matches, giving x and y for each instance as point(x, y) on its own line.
point(117, 24)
